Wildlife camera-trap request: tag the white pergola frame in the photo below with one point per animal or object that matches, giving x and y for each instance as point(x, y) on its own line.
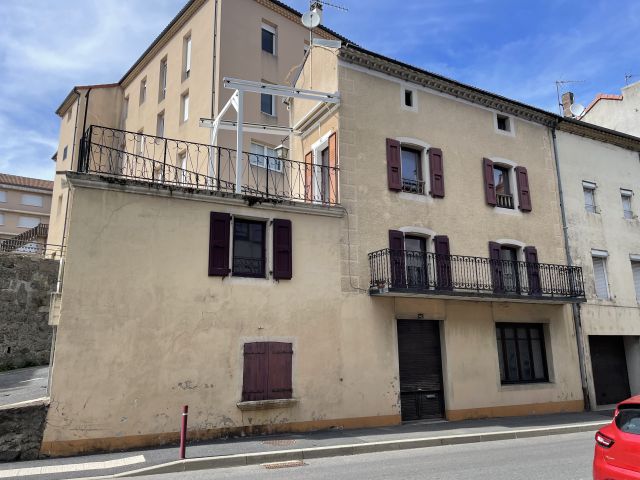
point(237, 102)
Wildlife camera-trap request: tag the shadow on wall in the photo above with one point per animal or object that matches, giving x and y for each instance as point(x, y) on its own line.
point(26, 284)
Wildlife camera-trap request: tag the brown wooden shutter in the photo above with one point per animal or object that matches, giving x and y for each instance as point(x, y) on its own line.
point(495, 264)
point(279, 378)
point(524, 197)
point(333, 163)
point(533, 270)
point(282, 250)
point(308, 176)
point(436, 172)
point(443, 262)
point(489, 182)
point(219, 233)
point(396, 259)
point(255, 374)
point(394, 175)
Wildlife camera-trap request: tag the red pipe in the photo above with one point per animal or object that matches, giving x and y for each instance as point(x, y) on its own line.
point(183, 432)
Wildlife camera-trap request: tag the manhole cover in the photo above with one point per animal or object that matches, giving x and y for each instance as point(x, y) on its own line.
point(279, 443)
point(290, 464)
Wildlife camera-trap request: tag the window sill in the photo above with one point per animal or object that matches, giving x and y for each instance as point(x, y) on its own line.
point(514, 387)
point(415, 197)
point(267, 404)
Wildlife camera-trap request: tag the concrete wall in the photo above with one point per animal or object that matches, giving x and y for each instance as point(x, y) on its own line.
point(21, 428)
point(621, 115)
point(26, 282)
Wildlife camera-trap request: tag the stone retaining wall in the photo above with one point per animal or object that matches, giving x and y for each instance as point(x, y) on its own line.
point(26, 282)
point(21, 428)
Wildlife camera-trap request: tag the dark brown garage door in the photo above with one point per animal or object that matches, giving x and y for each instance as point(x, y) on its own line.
point(421, 393)
point(609, 367)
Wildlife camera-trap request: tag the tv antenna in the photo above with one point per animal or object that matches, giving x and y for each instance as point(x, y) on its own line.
point(561, 83)
point(629, 76)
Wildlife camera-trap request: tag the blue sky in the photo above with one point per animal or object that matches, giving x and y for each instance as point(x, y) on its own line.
point(515, 48)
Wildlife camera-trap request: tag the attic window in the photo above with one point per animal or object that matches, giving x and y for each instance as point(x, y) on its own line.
point(504, 123)
point(408, 98)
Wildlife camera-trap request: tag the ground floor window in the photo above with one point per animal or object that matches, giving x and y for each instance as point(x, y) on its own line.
point(521, 353)
point(267, 371)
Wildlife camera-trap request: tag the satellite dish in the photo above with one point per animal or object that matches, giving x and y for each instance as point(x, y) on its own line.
point(577, 109)
point(312, 19)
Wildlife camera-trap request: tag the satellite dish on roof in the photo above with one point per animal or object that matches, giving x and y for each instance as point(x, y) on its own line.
point(577, 109)
point(312, 19)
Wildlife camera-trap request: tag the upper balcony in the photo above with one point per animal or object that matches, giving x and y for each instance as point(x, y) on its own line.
point(429, 275)
point(119, 154)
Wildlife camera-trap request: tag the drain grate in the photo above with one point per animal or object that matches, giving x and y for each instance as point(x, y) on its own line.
point(279, 443)
point(290, 464)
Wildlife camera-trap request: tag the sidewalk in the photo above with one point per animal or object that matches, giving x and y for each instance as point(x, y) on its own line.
point(265, 449)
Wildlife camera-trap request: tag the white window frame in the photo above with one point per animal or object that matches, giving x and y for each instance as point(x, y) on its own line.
point(414, 97)
point(1, 218)
point(186, 56)
point(274, 32)
point(592, 186)
point(627, 194)
point(601, 255)
point(3, 196)
point(513, 181)
point(160, 131)
point(25, 198)
point(511, 123)
point(635, 259)
point(184, 107)
point(162, 87)
point(139, 141)
point(261, 161)
point(143, 90)
point(125, 108)
point(317, 148)
point(273, 105)
point(21, 224)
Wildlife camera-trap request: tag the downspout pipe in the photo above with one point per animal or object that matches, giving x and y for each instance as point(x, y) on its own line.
point(575, 307)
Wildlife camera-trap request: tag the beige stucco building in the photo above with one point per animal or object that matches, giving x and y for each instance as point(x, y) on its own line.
point(600, 184)
point(406, 261)
point(616, 111)
point(25, 204)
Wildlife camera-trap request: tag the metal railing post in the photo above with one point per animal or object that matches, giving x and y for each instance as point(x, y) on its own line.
point(164, 161)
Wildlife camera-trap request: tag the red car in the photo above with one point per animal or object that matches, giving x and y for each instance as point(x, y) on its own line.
point(617, 452)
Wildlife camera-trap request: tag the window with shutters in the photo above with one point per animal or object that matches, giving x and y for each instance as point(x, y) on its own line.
point(506, 185)
point(635, 269)
point(321, 182)
point(627, 210)
point(502, 181)
point(600, 275)
point(267, 371)
point(521, 353)
point(589, 190)
point(415, 167)
point(269, 38)
point(248, 248)
point(412, 180)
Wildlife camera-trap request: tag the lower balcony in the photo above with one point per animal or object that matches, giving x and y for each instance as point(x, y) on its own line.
point(420, 274)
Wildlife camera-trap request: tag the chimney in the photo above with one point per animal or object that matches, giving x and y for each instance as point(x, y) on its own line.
point(567, 101)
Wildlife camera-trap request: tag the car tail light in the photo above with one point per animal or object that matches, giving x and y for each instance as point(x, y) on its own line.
point(603, 440)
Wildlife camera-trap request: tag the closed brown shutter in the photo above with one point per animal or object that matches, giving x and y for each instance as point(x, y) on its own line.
point(254, 378)
point(219, 233)
point(282, 250)
point(533, 270)
point(308, 176)
point(396, 259)
point(279, 377)
point(495, 264)
point(394, 175)
point(333, 163)
point(436, 172)
point(489, 182)
point(524, 197)
point(443, 262)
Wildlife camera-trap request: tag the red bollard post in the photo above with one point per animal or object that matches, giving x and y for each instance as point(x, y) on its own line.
point(183, 432)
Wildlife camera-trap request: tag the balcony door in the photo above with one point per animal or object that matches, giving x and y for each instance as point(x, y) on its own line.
point(416, 261)
point(510, 273)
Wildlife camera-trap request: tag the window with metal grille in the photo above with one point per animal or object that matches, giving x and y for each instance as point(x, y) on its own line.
point(248, 248)
point(600, 277)
point(267, 371)
point(521, 353)
point(626, 203)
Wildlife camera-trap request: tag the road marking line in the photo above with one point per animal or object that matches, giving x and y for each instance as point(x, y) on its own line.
point(76, 467)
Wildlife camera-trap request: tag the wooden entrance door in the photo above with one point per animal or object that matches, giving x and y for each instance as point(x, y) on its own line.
point(420, 361)
point(609, 367)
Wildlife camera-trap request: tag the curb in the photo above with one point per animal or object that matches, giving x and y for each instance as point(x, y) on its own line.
point(244, 459)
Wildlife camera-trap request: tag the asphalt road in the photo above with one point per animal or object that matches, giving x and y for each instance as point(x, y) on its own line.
point(561, 457)
point(23, 384)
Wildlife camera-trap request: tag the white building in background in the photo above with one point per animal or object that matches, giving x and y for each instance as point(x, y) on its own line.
point(617, 112)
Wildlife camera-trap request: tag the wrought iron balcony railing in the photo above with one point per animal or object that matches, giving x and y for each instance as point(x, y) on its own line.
point(429, 273)
point(177, 163)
